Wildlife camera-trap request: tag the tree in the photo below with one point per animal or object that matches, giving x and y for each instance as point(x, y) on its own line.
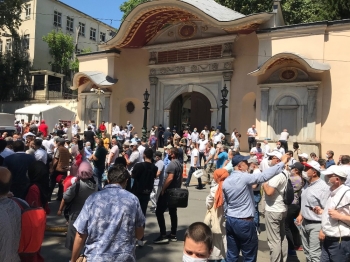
point(61, 48)
point(15, 75)
point(10, 15)
point(129, 5)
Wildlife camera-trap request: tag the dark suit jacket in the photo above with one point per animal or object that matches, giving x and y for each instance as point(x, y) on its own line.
point(18, 165)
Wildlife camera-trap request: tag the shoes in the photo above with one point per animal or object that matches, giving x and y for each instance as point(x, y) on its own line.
point(161, 240)
point(140, 243)
point(184, 184)
point(292, 253)
point(200, 188)
point(172, 238)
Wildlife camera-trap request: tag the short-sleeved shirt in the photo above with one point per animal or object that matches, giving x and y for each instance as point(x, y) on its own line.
point(298, 184)
point(129, 126)
point(275, 202)
point(212, 153)
point(115, 151)
point(284, 136)
point(202, 144)
point(194, 137)
point(223, 156)
point(133, 159)
point(195, 153)
point(160, 165)
point(217, 137)
point(175, 168)
point(110, 224)
point(252, 132)
point(139, 170)
point(206, 134)
point(89, 136)
point(100, 154)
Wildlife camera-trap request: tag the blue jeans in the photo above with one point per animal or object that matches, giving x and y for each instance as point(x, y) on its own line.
point(98, 172)
point(241, 236)
point(257, 198)
point(333, 251)
point(188, 180)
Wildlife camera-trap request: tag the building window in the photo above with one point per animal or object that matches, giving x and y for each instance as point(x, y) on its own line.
point(93, 34)
point(82, 29)
point(28, 9)
point(8, 46)
point(26, 42)
point(70, 24)
point(102, 37)
point(57, 19)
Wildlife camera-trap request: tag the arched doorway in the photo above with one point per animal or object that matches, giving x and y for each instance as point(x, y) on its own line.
point(190, 109)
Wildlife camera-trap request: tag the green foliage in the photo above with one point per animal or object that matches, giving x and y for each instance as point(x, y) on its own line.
point(129, 5)
point(61, 48)
point(10, 15)
point(14, 72)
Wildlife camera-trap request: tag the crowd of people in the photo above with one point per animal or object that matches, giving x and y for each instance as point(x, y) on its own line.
point(94, 168)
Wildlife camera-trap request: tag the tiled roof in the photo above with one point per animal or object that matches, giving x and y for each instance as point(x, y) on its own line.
point(215, 10)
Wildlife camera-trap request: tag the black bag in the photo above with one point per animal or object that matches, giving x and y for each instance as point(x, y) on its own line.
point(178, 197)
point(288, 195)
point(68, 205)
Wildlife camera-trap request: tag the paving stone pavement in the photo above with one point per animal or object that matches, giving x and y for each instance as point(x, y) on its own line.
point(53, 247)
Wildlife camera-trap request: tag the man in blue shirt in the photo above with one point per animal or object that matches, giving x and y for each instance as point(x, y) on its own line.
point(330, 160)
point(239, 207)
point(107, 227)
point(220, 156)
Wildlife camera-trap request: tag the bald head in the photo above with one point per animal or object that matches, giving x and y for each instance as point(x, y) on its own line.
point(5, 181)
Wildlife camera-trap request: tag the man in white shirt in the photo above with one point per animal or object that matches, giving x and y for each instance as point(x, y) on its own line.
point(206, 133)
point(115, 130)
point(279, 148)
point(49, 146)
point(218, 137)
point(202, 144)
point(39, 154)
point(141, 149)
point(335, 230)
point(266, 148)
point(252, 134)
point(210, 162)
point(276, 212)
point(113, 152)
point(284, 139)
point(233, 136)
point(194, 136)
point(75, 128)
point(256, 150)
point(194, 166)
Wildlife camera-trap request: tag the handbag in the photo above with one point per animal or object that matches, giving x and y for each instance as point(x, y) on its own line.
point(198, 173)
point(177, 197)
point(211, 219)
point(81, 258)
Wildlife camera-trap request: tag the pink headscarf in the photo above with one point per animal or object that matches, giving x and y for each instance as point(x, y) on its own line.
point(85, 170)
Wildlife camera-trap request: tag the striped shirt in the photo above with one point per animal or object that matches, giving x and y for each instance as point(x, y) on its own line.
point(314, 194)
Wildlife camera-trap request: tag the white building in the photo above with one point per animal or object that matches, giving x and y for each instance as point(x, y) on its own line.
point(42, 16)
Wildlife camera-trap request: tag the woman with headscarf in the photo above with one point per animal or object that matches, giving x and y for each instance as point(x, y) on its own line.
point(77, 194)
point(215, 217)
point(38, 174)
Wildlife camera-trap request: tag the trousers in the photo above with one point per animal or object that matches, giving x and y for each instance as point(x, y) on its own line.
point(251, 142)
point(333, 251)
point(311, 244)
point(162, 205)
point(188, 180)
point(241, 237)
point(276, 235)
point(257, 198)
point(292, 232)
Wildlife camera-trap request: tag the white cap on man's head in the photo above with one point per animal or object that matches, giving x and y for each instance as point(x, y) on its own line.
point(304, 155)
point(168, 128)
point(276, 154)
point(313, 164)
point(337, 170)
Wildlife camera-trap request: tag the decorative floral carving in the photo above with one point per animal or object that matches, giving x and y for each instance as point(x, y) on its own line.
point(228, 65)
point(163, 70)
point(153, 72)
point(194, 68)
point(187, 30)
point(153, 80)
point(182, 69)
point(214, 67)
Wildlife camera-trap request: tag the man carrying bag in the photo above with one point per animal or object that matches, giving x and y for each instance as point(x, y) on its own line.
point(172, 180)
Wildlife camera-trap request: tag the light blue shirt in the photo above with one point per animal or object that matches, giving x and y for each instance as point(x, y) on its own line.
point(238, 192)
point(109, 218)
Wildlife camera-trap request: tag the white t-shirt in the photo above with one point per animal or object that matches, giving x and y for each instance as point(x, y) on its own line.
point(284, 136)
point(217, 137)
point(202, 144)
point(115, 130)
point(195, 153)
point(233, 136)
point(252, 132)
point(75, 129)
point(266, 150)
point(281, 150)
point(275, 202)
point(141, 149)
point(206, 134)
point(115, 151)
point(255, 150)
point(194, 137)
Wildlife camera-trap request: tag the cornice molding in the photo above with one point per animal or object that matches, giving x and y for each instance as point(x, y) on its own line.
point(191, 43)
point(289, 32)
point(314, 84)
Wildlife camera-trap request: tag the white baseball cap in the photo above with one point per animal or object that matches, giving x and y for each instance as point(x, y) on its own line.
point(304, 155)
point(313, 164)
point(337, 170)
point(276, 154)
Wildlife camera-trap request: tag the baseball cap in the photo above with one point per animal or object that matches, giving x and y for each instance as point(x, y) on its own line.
point(298, 166)
point(168, 128)
point(313, 164)
point(253, 160)
point(133, 144)
point(238, 159)
point(339, 171)
point(276, 154)
point(304, 155)
point(127, 143)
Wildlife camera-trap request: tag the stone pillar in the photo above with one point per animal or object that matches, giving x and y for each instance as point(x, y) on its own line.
point(311, 113)
point(214, 117)
point(62, 87)
point(166, 118)
point(227, 80)
point(264, 112)
point(153, 102)
point(46, 87)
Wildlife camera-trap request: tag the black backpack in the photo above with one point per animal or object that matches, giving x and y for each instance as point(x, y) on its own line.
point(288, 195)
point(146, 181)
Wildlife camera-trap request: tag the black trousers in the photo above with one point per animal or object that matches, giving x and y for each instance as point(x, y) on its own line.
point(202, 155)
point(284, 144)
point(53, 177)
point(251, 142)
point(162, 205)
point(292, 232)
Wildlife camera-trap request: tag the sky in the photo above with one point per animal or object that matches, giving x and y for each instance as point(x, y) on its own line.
point(100, 9)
